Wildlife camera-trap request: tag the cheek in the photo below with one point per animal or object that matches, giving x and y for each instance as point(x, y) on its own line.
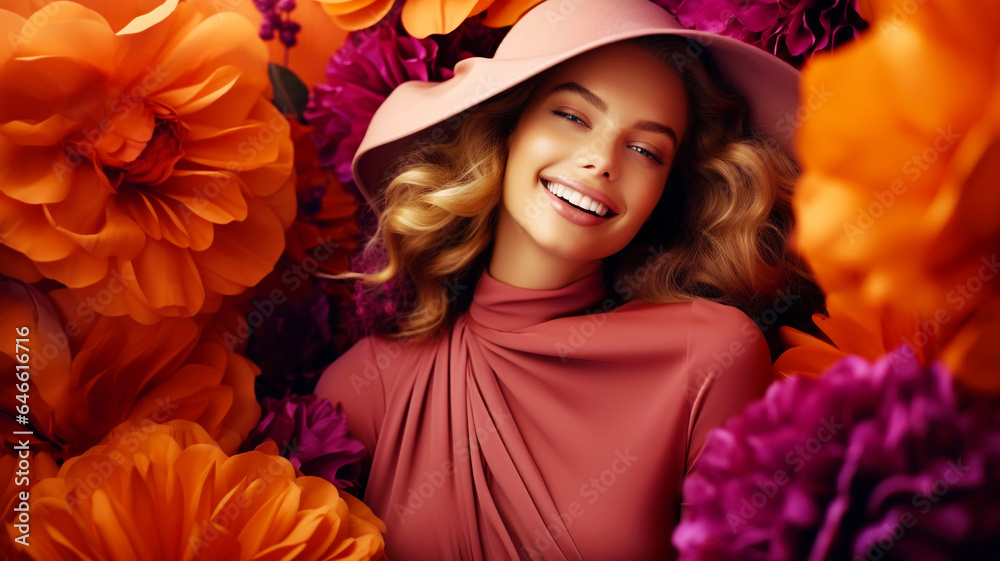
point(530, 152)
point(532, 144)
point(646, 199)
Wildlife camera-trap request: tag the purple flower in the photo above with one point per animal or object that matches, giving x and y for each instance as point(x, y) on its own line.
point(870, 461)
point(366, 69)
point(790, 29)
point(278, 17)
point(359, 77)
point(312, 435)
point(377, 309)
point(295, 342)
point(470, 39)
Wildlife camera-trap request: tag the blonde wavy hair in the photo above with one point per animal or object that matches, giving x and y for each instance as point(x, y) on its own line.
point(719, 232)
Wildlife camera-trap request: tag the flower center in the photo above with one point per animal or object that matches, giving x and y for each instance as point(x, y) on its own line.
point(156, 161)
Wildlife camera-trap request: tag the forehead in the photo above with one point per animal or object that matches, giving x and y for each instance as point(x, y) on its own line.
point(617, 59)
point(626, 73)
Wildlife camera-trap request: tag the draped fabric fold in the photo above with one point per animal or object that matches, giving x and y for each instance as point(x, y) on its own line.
point(544, 426)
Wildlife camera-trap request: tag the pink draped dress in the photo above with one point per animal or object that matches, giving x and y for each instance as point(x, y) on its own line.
point(536, 429)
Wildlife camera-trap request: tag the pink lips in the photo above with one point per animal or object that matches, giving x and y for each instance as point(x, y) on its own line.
point(585, 189)
point(572, 213)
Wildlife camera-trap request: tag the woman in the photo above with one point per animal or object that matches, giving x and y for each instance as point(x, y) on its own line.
point(614, 208)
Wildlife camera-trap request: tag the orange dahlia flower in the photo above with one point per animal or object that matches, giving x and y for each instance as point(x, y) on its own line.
point(426, 17)
point(168, 492)
point(141, 163)
point(851, 329)
point(90, 373)
point(899, 145)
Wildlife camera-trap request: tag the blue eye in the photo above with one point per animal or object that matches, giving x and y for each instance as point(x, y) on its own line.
point(648, 154)
point(574, 119)
point(569, 117)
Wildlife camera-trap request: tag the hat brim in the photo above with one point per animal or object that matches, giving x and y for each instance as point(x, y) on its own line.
point(418, 112)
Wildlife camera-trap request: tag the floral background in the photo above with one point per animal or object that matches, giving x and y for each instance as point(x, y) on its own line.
point(175, 182)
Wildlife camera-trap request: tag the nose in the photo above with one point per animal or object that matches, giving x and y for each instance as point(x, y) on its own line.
point(598, 157)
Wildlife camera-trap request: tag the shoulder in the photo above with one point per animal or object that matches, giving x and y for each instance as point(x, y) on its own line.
point(714, 339)
point(344, 378)
point(368, 361)
point(360, 380)
point(728, 366)
point(726, 325)
point(706, 322)
point(375, 361)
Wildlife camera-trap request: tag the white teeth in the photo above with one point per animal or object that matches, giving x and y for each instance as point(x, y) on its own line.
point(576, 198)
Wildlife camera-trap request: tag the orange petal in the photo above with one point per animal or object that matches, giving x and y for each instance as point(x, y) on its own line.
point(806, 360)
point(34, 175)
point(167, 276)
point(243, 252)
point(972, 354)
point(60, 68)
point(215, 196)
point(17, 265)
point(194, 392)
point(265, 180)
point(25, 229)
point(967, 202)
point(44, 132)
point(162, 217)
point(145, 21)
point(506, 12)
point(112, 296)
point(86, 218)
point(245, 147)
point(185, 99)
point(78, 269)
point(245, 412)
point(119, 14)
point(11, 26)
point(224, 39)
point(426, 17)
point(356, 14)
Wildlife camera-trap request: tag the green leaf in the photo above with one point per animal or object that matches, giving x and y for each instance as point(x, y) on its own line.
point(290, 94)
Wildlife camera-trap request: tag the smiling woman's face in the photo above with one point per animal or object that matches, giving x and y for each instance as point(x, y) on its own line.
point(590, 155)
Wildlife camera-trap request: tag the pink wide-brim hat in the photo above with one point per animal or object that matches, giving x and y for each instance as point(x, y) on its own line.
point(550, 33)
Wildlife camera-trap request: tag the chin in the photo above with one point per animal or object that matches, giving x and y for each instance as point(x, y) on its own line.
point(579, 250)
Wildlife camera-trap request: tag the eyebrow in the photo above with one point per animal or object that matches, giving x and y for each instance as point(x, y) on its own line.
point(595, 100)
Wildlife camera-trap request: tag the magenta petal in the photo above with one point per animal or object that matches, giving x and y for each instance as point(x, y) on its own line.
point(312, 435)
point(799, 507)
point(861, 450)
point(367, 68)
point(792, 30)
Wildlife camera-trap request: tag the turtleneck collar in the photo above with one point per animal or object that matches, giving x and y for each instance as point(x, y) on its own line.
point(502, 307)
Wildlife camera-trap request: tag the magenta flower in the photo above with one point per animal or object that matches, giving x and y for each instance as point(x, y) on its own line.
point(790, 29)
point(312, 435)
point(376, 309)
point(878, 461)
point(470, 39)
point(366, 69)
point(295, 343)
point(360, 75)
